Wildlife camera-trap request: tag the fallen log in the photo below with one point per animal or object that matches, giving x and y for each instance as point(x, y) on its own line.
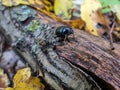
point(85, 62)
point(93, 55)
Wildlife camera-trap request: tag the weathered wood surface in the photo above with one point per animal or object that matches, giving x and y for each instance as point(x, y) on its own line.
point(60, 75)
point(91, 54)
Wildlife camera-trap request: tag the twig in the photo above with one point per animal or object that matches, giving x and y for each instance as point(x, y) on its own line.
point(110, 36)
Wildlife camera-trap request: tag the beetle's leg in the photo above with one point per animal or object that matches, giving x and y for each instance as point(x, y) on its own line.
point(73, 36)
point(65, 38)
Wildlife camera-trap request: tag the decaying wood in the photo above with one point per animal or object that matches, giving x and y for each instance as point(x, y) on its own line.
point(86, 62)
point(94, 55)
point(54, 70)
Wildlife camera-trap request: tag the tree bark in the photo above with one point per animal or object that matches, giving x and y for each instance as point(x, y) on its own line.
point(85, 62)
point(93, 55)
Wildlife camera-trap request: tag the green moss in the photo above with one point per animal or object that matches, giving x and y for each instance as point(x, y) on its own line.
point(33, 26)
point(108, 5)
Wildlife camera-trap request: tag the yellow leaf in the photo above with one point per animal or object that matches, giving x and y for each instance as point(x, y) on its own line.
point(78, 23)
point(22, 76)
point(14, 2)
point(24, 81)
point(63, 8)
point(89, 10)
point(116, 10)
point(49, 5)
point(34, 3)
point(41, 5)
point(9, 88)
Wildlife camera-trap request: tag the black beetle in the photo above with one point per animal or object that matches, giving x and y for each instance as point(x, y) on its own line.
point(63, 32)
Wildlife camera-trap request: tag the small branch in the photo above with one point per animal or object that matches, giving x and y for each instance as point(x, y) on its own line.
point(110, 36)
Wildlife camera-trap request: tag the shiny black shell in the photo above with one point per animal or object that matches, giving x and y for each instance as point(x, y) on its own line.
point(64, 30)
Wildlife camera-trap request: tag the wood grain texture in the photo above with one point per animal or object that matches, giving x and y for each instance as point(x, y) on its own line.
point(83, 63)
